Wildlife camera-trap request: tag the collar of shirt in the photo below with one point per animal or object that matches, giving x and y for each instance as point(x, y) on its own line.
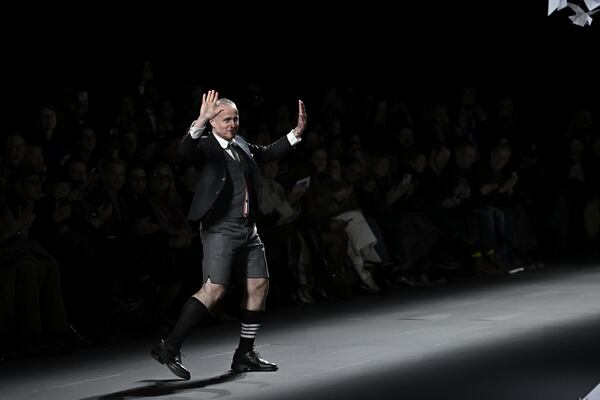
point(222, 142)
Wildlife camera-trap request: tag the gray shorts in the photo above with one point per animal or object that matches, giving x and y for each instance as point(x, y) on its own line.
point(230, 244)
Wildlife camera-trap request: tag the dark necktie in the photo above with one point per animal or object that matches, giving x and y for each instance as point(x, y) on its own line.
point(237, 154)
point(235, 151)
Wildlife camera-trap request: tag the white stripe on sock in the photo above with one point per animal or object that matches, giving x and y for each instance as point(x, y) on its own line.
point(248, 336)
point(249, 330)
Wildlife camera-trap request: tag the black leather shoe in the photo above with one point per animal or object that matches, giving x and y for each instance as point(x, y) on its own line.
point(164, 353)
point(251, 361)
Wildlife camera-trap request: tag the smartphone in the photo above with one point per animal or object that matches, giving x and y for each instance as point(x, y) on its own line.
point(304, 182)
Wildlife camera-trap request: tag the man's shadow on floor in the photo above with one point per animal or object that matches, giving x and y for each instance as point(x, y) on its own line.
point(163, 387)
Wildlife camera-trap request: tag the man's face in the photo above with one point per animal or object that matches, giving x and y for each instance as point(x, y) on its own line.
point(466, 157)
point(441, 158)
point(319, 160)
point(160, 180)
point(30, 188)
point(136, 181)
point(88, 139)
point(48, 117)
point(499, 158)
point(419, 163)
point(15, 150)
point(77, 172)
point(227, 123)
point(34, 156)
point(382, 167)
point(114, 177)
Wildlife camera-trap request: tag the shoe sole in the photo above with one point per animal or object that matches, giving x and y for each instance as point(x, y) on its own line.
point(246, 368)
point(156, 355)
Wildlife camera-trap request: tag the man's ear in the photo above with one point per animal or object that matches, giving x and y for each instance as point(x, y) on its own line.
point(211, 122)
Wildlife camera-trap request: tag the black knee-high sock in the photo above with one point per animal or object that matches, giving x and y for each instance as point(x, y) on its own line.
point(250, 323)
point(192, 312)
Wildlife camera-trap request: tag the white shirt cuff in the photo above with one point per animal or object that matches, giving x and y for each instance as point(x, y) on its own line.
point(195, 132)
point(292, 138)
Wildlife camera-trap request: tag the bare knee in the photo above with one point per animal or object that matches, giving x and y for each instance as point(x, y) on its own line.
point(210, 293)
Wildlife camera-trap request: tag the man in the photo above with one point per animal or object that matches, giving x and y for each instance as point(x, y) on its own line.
point(225, 201)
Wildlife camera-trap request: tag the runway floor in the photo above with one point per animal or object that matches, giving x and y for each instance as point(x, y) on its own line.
point(533, 335)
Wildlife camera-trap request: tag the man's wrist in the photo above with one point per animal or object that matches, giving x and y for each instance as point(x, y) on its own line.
point(198, 124)
point(196, 130)
point(293, 139)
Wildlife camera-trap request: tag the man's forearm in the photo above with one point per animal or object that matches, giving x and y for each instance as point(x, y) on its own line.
point(197, 129)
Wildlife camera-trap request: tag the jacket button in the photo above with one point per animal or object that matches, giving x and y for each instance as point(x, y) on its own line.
point(223, 178)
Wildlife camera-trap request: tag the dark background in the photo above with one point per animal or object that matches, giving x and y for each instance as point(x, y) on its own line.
point(416, 49)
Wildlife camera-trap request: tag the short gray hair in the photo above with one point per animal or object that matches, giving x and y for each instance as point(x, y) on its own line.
point(226, 102)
